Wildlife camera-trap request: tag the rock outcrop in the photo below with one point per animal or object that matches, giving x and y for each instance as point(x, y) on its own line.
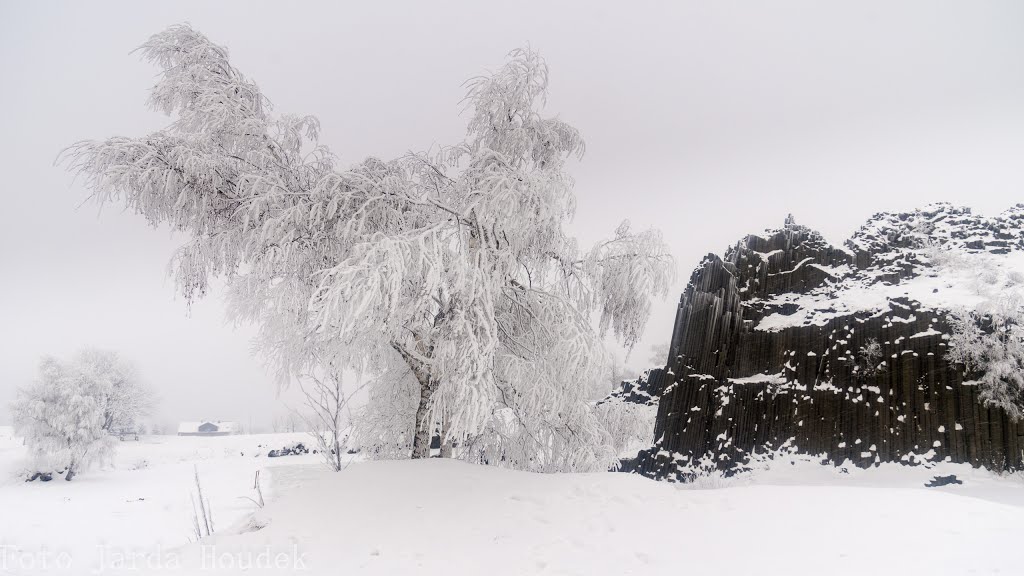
point(842, 352)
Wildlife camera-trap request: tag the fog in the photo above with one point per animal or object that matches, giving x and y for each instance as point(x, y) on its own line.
point(708, 120)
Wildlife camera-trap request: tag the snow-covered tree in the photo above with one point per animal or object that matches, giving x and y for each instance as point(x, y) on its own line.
point(629, 424)
point(987, 339)
point(328, 415)
point(659, 354)
point(68, 414)
point(869, 358)
point(128, 397)
point(61, 417)
point(989, 342)
point(287, 422)
point(447, 278)
point(617, 373)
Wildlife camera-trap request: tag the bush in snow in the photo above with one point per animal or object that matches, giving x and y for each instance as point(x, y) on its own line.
point(870, 358)
point(448, 278)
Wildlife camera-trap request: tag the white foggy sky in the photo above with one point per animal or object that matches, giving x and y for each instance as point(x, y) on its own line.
point(709, 120)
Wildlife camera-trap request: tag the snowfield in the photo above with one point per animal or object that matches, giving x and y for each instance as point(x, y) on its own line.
point(139, 505)
point(447, 517)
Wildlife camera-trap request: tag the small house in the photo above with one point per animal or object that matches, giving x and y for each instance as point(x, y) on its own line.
point(207, 428)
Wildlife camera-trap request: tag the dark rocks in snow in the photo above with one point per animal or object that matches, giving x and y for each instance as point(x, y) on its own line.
point(627, 465)
point(644, 390)
point(293, 450)
point(41, 476)
point(731, 386)
point(943, 481)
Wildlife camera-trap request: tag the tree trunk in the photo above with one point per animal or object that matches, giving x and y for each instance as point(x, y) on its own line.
point(424, 429)
point(337, 452)
point(446, 442)
point(447, 448)
point(71, 472)
point(424, 425)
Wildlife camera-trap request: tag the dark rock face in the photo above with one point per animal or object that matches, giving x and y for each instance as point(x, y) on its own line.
point(645, 390)
point(768, 350)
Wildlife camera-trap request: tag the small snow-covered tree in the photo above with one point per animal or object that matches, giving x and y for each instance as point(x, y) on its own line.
point(869, 358)
point(659, 354)
point(128, 397)
point(629, 424)
point(328, 416)
point(617, 373)
point(61, 416)
point(68, 414)
point(986, 339)
point(989, 341)
point(287, 422)
point(447, 277)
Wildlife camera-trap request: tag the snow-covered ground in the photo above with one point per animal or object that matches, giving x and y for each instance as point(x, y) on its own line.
point(452, 518)
point(138, 505)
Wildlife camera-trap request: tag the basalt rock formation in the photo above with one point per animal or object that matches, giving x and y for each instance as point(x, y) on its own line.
point(836, 351)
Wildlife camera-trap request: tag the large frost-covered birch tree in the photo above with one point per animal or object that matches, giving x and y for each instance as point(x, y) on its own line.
point(446, 277)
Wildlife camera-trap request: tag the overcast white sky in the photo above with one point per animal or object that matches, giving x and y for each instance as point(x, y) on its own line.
point(709, 120)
